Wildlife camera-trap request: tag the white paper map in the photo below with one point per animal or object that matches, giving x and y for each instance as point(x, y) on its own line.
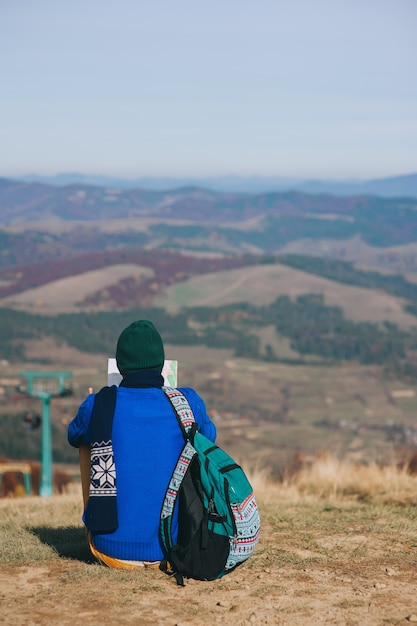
point(169, 372)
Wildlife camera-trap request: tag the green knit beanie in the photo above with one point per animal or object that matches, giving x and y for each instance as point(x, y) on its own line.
point(139, 347)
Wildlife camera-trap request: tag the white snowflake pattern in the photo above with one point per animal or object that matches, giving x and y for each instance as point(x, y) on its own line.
point(104, 472)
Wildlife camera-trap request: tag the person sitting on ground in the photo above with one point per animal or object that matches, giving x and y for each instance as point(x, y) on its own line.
point(130, 440)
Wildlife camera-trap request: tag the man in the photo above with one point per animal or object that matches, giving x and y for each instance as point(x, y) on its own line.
point(133, 438)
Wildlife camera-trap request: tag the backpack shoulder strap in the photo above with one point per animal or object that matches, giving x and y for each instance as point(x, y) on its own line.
point(182, 410)
point(188, 426)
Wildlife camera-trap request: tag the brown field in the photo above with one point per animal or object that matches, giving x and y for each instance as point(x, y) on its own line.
point(139, 224)
point(399, 259)
point(66, 295)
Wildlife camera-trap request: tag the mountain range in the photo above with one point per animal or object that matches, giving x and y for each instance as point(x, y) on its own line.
point(29, 202)
point(393, 186)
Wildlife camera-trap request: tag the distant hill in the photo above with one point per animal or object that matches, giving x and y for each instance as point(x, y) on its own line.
point(27, 202)
point(41, 222)
point(394, 186)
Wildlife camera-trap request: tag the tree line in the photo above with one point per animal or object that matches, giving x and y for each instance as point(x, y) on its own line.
point(311, 327)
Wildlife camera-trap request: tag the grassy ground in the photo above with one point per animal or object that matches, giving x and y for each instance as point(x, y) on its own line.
point(339, 549)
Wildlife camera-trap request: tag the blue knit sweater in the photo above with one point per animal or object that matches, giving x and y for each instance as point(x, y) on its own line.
point(146, 443)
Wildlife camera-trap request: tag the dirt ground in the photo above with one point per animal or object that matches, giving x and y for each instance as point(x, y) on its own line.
point(297, 577)
point(272, 595)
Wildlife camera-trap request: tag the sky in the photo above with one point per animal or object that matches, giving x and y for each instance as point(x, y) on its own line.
point(304, 89)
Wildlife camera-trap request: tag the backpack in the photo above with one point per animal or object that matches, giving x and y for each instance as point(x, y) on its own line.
point(218, 518)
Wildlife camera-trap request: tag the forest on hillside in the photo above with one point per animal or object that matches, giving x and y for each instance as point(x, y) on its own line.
point(311, 327)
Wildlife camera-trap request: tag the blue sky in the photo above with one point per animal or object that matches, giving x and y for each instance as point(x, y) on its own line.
point(300, 88)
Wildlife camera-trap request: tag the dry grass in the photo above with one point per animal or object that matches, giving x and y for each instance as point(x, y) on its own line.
point(326, 477)
point(66, 294)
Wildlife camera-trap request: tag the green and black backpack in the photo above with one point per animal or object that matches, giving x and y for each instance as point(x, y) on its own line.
point(218, 518)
